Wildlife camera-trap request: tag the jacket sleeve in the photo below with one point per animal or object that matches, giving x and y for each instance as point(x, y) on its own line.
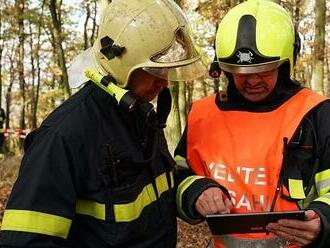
point(42, 203)
point(190, 185)
point(321, 204)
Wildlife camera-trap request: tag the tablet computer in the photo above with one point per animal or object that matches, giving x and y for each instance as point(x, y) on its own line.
point(248, 222)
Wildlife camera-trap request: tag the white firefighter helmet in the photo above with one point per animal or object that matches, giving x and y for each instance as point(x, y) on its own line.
point(149, 34)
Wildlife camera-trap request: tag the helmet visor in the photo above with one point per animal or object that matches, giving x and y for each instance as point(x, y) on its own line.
point(178, 51)
point(182, 73)
point(248, 69)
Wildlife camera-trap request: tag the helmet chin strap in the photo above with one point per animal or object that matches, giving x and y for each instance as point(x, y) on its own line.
point(157, 119)
point(164, 104)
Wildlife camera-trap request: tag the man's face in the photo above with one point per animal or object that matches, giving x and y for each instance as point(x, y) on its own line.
point(144, 86)
point(257, 86)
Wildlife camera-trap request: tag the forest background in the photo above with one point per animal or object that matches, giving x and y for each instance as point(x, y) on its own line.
point(39, 39)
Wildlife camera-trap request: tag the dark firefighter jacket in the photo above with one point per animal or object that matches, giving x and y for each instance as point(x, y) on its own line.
point(308, 152)
point(94, 176)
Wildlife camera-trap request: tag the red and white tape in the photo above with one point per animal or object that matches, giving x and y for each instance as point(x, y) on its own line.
point(18, 133)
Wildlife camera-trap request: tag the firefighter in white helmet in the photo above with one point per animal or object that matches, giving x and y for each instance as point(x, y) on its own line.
point(97, 172)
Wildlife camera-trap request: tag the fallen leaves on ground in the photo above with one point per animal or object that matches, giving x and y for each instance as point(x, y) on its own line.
point(8, 173)
point(192, 236)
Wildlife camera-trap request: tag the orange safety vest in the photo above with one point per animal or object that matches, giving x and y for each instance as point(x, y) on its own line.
point(242, 151)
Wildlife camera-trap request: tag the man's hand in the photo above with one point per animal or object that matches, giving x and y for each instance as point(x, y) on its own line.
point(213, 201)
point(298, 232)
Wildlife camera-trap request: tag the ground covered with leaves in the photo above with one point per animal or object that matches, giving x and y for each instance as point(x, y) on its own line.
point(189, 236)
point(8, 173)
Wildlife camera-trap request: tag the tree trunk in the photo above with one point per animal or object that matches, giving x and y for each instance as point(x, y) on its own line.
point(33, 70)
point(1, 50)
point(204, 87)
point(94, 26)
point(182, 104)
point(327, 85)
point(176, 108)
point(88, 15)
point(308, 74)
point(53, 81)
point(60, 52)
point(35, 90)
point(234, 2)
point(8, 103)
point(11, 82)
point(216, 85)
point(296, 13)
point(319, 44)
point(173, 129)
point(21, 37)
point(176, 119)
point(190, 92)
point(296, 20)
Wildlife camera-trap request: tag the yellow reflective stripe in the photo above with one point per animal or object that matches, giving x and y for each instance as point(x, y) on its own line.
point(172, 180)
point(131, 211)
point(312, 195)
point(325, 198)
point(181, 161)
point(94, 209)
point(181, 189)
point(322, 182)
point(296, 189)
point(35, 222)
point(178, 158)
point(323, 175)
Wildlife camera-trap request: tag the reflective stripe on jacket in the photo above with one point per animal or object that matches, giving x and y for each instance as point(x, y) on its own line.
point(86, 180)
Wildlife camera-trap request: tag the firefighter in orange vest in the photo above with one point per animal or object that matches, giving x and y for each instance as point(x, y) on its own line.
point(266, 139)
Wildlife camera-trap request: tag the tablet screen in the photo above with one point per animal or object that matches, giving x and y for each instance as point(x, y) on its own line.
point(249, 222)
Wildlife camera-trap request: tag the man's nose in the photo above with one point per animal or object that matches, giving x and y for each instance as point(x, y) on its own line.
point(253, 79)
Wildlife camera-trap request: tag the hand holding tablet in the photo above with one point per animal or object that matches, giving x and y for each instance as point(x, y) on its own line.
point(221, 224)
